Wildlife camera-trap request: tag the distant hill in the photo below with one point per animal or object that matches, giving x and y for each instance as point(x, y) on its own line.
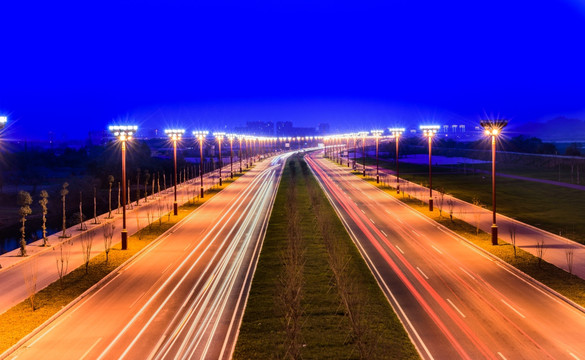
point(558, 129)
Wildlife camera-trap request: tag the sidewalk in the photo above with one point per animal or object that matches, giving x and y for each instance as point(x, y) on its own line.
point(12, 285)
point(556, 247)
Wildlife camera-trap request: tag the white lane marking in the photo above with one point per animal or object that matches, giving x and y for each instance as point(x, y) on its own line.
point(468, 274)
point(138, 298)
point(165, 270)
point(400, 221)
point(372, 221)
point(573, 355)
point(90, 349)
point(363, 211)
point(455, 307)
point(516, 311)
point(186, 247)
point(439, 251)
point(399, 249)
point(502, 356)
point(383, 233)
point(423, 274)
point(415, 233)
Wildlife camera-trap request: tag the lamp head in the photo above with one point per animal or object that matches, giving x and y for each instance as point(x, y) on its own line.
point(123, 132)
point(493, 127)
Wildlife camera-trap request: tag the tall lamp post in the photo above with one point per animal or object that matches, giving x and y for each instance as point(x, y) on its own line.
point(396, 132)
point(429, 131)
point(377, 134)
point(231, 139)
point(363, 134)
point(175, 135)
point(347, 147)
point(219, 136)
point(123, 133)
point(355, 135)
point(493, 128)
point(200, 135)
point(240, 138)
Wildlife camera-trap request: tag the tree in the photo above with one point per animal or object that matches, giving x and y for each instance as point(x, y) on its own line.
point(108, 235)
point(441, 199)
point(64, 193)
point(30, 272)
point(95, 219)
point(477, 213)
point(146, 179)
point(137, 187)
point(24, 200)
point(43, 202)
point(86, 244)
point(62, 256)
point(81, 228)
point(110, 182)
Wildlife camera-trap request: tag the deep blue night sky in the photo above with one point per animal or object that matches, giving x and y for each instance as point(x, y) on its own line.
point(71, 68)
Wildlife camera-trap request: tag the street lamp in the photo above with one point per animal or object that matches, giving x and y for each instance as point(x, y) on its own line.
point(175, 135)
point(355, 135)
point(231, 139)
point(219, 136)
point(363, 135)
point(200, 135)
point(396, 132)
point(377, 134)
point(493, 128)
point(240, 138)
point(3, 121)
point(347, 136)
point(429, 131)
point(123, 133)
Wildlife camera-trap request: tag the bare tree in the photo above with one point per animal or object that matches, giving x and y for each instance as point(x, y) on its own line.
point(146, 180)
point(86, 244)
point(540, 250)
point(451, 207)
point(512, 230)
point(24, 200)
point(476, 214)
point(569, 253)
point(62, 255)
point(110, 183)
point(108, 232)
point(153, 181)
point(119, 204)
point(138, 226)
point(64, 193)
point(30, 273)
point(441, 199)
point(43, 202)
point(137, 187)
point(95, 219)
point(81, 224)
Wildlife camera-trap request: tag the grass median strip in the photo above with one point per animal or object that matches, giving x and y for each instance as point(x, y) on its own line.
point(20, 320)
point(313, 295)
point(568, 285)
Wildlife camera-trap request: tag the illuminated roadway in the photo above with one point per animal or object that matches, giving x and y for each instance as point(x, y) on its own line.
point(454, 300)
point(184, 297)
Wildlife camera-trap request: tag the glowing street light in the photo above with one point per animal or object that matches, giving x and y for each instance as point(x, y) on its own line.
point(123, 133)
point(240, 138)
point(200, 135)
point(347, 147)
point(355, 135)
point(363, 135)
point(219, 136)
point(377, 134)
point(3, 121)
point(175, 135)
point(231, 139)
point(396, 132)
point(493, 128)
point(429, 131)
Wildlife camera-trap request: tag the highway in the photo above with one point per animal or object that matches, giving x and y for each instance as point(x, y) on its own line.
point(184, 297)
point(454, 300)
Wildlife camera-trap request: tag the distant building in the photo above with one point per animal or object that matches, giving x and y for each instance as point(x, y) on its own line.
point(260, 128)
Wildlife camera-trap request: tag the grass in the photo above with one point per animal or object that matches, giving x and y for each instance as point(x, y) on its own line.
point(568, 285)
point(20, 320)
point(325, 331)
point(549, 207)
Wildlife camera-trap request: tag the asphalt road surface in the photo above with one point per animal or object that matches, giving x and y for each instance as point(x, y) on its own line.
point(184, 297)
point(454, 300)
